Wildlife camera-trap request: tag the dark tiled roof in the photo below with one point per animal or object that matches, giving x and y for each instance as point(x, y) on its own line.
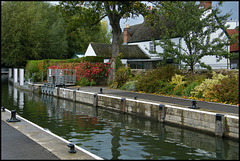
point(128, 51)
point(145, 32)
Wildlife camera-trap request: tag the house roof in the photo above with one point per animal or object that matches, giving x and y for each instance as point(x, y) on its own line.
point(145, 32)
point(128, 51)
point(235, 46)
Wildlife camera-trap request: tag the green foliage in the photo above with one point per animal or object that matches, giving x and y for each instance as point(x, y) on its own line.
point(149, 81)
point(154, 78)
point(227, 90)
point(177, 19)
point(30, 31)
point(122, 75)
point(129, 86)
point(37, 69)
point(83, 25)
point(188, 89)
point(178, 80)
point(83, 82)
point(207, 85)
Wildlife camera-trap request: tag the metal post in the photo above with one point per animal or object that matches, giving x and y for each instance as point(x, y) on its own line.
point(72, 150)
point(161, 114)
point(13, 117)
point(95, 100)
point(219, 125)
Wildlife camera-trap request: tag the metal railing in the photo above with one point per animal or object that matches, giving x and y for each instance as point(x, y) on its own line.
point(61, 76)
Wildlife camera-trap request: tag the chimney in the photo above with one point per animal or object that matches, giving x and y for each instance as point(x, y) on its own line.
point(126, 34)
point(206, 4)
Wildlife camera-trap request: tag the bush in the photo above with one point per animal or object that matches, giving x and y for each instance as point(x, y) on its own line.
point(129, 86)
point(227, 90)
point(153, 79)
point(190, 88)
point(83, 81)
point(168, 88)
point(205, 88)
point(122, 75)
point(92, 71)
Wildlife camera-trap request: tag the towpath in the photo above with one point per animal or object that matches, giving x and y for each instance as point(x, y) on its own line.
point(209, 106)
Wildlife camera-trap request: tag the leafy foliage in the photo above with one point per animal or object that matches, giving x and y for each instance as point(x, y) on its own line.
point(207, 86)
point(82, 27)
point(30, 30)
point(153, 79)
point(122, 75)
point(195, 26)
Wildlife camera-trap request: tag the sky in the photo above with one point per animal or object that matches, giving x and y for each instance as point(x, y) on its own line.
point(227, 6)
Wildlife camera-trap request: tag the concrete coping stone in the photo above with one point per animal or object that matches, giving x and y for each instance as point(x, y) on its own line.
point(62, 153)
point(153, 103)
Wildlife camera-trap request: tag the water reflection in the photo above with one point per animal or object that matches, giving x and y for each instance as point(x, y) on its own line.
point(114, 135)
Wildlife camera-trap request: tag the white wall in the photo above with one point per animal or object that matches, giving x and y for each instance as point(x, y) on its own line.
point(90, 51)
point(145, 46)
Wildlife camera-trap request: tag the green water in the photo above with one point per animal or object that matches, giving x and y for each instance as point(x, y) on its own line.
point(113, 135)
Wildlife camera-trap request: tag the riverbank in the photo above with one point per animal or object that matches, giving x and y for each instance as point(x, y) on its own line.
point(217, 119)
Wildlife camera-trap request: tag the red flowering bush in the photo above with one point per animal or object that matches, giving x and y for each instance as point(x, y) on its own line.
point(91, 71)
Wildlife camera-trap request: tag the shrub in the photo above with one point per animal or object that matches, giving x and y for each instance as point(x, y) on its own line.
point(122, 75)
point(226, 91)
point(152, 79)
point(92, 71)
point(168, 88)
point(178, 80)
point(203, 90)
point(190, 88)
point(83, 81)
point(129, 86)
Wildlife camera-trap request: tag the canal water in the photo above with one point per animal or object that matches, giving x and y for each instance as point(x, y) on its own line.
point(113, 135)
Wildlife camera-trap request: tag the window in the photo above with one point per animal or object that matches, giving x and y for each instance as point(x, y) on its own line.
point(152, 46)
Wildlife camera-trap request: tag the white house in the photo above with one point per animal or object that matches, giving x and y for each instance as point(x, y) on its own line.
point(131, 54)
point(142, 35)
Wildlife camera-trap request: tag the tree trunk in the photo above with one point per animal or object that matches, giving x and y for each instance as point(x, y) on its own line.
point(116, 32)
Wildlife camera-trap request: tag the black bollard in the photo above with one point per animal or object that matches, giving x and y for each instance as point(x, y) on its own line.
point(161, 106)
point(135, 97)
point(3, 109)
point(13, 117)
point(72, 150)
point(100, 91)
point(194, 103)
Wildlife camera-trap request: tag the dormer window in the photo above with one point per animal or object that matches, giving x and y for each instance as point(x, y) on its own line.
point(152, 46)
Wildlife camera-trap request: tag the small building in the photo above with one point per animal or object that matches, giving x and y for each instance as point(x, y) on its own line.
point(131, 55)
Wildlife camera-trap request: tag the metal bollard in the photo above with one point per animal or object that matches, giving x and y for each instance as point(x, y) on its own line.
point(135, 97)
point(72, 150)
point(3, 109)
point(194, 103)
point(161, 114)
point(101, 91)
point(13, 117)
point(95, 100)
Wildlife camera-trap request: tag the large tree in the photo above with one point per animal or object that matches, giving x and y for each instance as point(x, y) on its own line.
point(195, 25)
point(114, 10)
point(79, 27)
point(30, 30)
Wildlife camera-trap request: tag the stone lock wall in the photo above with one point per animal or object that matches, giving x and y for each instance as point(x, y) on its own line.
point(216, 123)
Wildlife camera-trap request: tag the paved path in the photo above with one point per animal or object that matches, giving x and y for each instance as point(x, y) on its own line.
point(210, 106)
point(17, 146)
